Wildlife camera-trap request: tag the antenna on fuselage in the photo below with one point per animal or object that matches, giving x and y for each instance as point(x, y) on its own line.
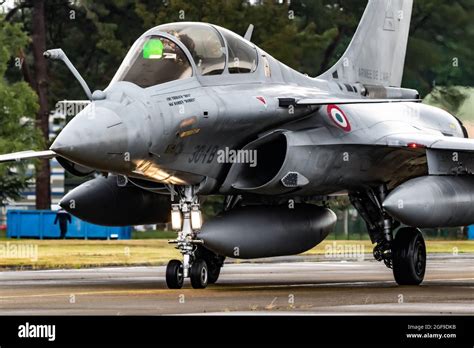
point(248, 33)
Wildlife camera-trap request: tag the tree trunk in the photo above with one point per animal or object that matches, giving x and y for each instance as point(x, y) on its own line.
point(346, 223)
point(43, 187)
point(329, 53)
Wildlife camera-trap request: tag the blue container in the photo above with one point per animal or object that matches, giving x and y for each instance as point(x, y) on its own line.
point(40, 224)
point(470, 232)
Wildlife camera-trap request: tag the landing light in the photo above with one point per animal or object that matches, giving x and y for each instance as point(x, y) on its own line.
point(196, 217)
point(176, 218)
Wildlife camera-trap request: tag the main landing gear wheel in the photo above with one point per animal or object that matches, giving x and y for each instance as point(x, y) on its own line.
point(409, 256)
point(199, 274)
point(175, 274)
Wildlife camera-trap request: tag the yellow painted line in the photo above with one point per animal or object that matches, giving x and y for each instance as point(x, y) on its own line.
point(211, 291)
point(88, 293)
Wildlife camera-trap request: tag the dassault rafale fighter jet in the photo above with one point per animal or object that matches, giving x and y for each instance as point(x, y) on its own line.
point(196, 110)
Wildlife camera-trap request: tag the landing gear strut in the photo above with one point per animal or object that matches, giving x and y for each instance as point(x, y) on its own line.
point(199, 264)
point(406, 254)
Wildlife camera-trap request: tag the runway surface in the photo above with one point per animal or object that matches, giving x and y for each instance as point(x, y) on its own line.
point(278, 286)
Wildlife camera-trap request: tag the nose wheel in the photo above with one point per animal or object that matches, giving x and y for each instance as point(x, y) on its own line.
point(174, 274)
point(199, 274)
point(199, 264)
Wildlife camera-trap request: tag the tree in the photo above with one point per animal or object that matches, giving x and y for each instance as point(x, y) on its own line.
point(43, 171)
point(38, 80)
point(308, 35)
point(440, 46)
point(18, 105)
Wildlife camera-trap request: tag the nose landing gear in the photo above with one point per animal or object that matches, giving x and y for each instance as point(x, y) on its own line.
point(202, 266)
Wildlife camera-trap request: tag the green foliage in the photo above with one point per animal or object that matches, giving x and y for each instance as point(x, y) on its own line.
point(95, 36)
point(440, 47)
point(212, 206)
point(18, 105)
point(339, 203)
point(311, 35)
point(307, 35)
point(449, 98)
point(294, 41)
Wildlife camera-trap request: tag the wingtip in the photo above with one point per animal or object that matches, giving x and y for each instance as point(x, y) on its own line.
point(29, 154)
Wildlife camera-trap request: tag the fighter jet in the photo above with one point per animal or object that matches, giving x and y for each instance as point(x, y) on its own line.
point(196, 110)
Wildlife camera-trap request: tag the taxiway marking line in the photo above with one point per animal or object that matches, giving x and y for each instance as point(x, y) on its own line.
point(254, 287)
point(89, 293)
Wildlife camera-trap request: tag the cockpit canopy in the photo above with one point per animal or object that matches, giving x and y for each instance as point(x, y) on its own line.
point(155, 59)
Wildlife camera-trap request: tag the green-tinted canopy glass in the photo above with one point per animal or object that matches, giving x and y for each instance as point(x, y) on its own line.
point(153, 49)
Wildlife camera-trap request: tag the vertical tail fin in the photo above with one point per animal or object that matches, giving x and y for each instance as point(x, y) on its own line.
point(376, 54)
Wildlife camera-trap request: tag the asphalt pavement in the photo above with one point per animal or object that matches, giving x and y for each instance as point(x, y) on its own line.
point(288, 285)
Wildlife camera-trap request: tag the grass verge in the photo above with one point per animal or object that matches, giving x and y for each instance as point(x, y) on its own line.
point(51, 254)
point(449, 247)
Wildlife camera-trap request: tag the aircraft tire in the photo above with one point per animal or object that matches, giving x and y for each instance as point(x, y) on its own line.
point(199, 274)
point(174, 274)
point(213, 261)
point(409, 256)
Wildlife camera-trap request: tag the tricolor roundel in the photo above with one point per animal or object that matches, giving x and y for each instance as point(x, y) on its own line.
point(339, 118)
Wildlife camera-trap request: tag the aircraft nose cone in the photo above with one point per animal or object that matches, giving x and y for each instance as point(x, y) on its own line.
point(96, 138)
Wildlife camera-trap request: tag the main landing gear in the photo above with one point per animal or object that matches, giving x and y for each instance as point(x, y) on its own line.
point(199, 264)
point(406, 253)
